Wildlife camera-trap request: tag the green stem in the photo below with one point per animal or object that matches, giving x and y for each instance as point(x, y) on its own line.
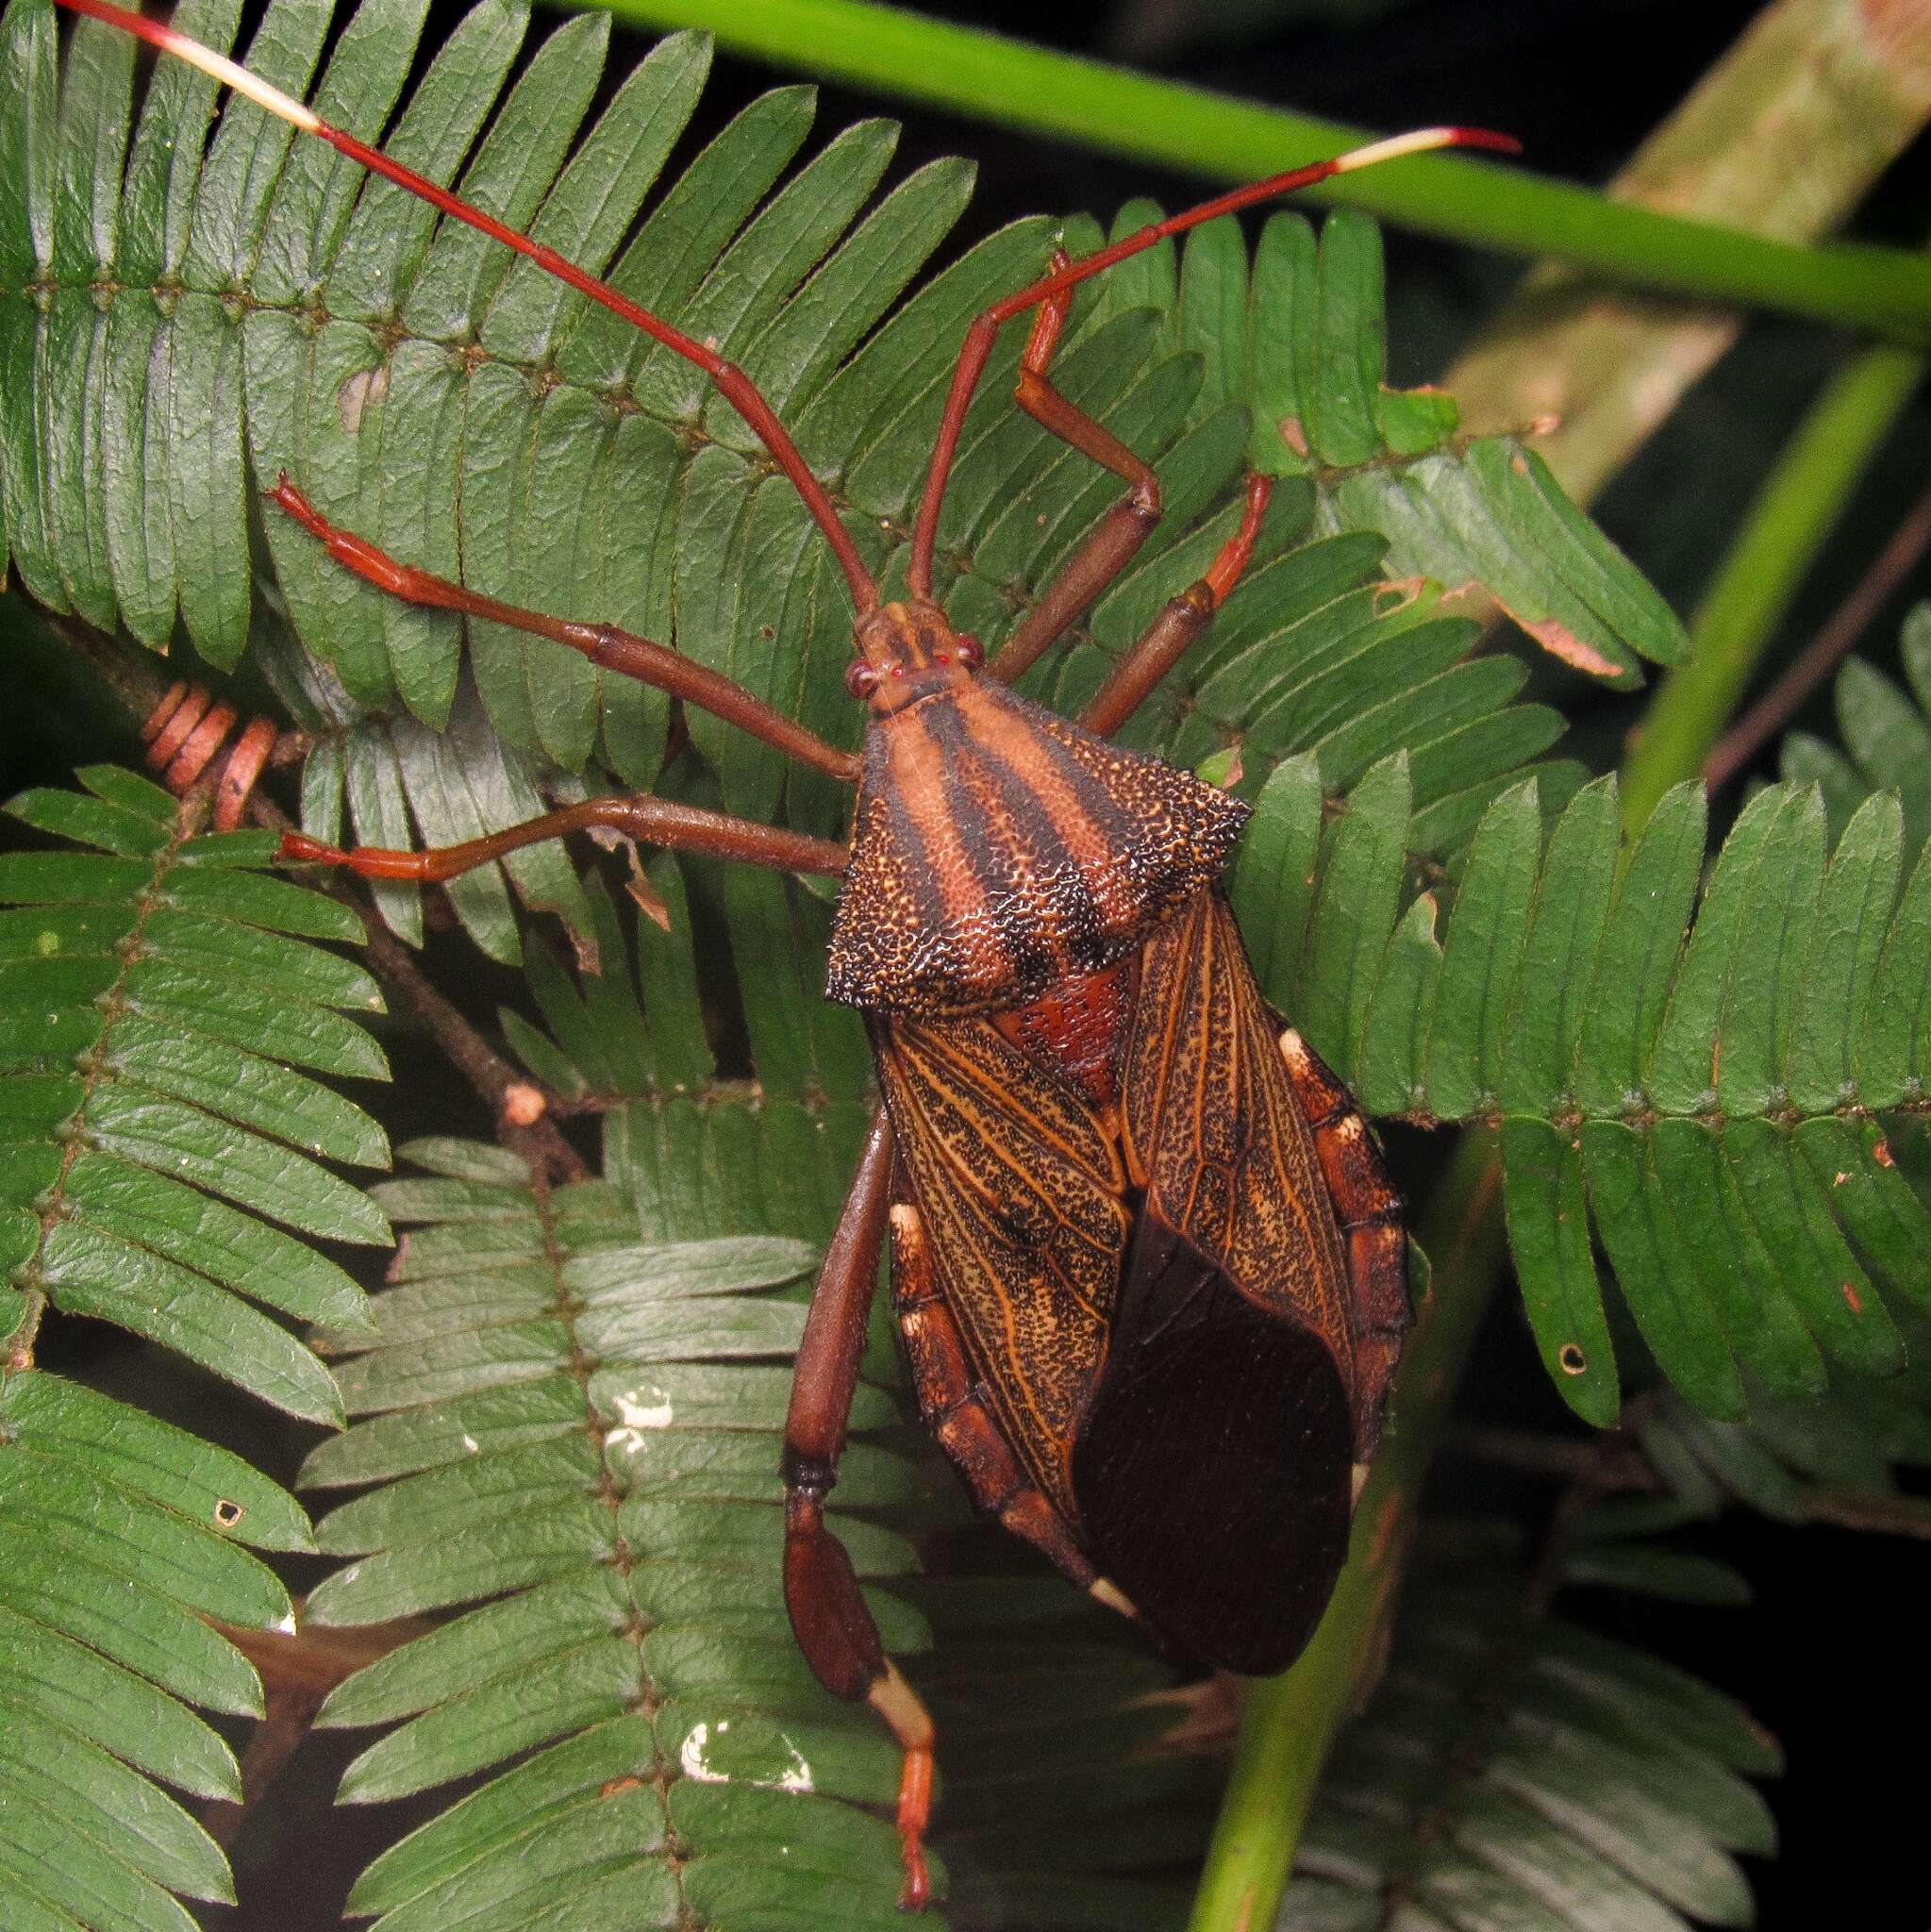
point(1288, 1723)
point(1786, 526)
point(969, 71)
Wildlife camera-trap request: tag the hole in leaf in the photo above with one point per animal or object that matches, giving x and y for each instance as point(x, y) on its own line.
point(227, 1513)
point(1571, 1359)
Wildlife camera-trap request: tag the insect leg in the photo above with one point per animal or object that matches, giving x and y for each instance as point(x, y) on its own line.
point(976, 350)
point(834, 1628)
point(1124, 527)
point(1130, 681)
point(1368, 1208)
point(603, 644)
point(659, 822)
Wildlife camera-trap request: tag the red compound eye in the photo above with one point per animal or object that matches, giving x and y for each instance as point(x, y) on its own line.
point(861, 679)
point(971, 653)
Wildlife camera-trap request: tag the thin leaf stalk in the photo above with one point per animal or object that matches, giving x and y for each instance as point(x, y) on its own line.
point(1793, 513)
point(1288, 1723)
point(968, 70)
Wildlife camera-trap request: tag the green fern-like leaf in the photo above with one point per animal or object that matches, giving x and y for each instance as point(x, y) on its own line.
point(122, 1538)
point(158, 997)
point(1516, 1772)
point(174, 325)
point(1835, 1459)
point(584, 1431)
point(1701, 1067)
point(1886, 735)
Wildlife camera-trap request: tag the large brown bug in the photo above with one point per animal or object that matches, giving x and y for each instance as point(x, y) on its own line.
point(1150, 1273)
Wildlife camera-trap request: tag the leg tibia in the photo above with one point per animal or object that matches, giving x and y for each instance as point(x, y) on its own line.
point(659, 821)
point(603, 644)
point(827, 1610)
point(1125, 528)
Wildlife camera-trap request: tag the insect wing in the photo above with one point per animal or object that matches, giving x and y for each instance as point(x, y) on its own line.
point(1214, 1470)
point(1019, 1191)
point(1212, 1121)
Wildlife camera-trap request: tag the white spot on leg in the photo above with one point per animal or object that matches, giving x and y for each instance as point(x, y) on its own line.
point(1294, 1051)
point(1361, 1483)
point(897, 1703)
point(1104, 1590)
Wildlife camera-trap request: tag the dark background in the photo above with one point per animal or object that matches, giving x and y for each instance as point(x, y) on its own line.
point(1827, 1655)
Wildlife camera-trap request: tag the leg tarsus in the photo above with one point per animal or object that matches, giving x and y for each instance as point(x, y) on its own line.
point(898, 1704)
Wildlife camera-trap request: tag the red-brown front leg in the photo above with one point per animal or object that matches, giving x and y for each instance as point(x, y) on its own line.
point(603, 644)
point(659, 822)
point(1121, 531)
point(828, 1615)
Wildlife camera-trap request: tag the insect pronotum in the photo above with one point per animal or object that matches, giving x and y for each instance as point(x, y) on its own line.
point(1150, 1273)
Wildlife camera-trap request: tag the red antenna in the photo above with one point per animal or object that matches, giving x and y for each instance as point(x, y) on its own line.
point(981, 337)
point(732, 383)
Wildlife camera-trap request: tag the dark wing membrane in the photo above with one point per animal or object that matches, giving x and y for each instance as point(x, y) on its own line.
point(1214, 1470)
point(1215, 1465)
point(1020, 1193)
point(1212, 1121)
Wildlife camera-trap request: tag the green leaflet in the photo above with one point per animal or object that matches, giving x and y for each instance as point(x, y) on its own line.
point(154, 1124)
point(1684, 1067)
point(1782, 1461)
point(159, 992)
point(409, 416)
point(523, 1478)
point(1569, 1780)
point(124, 1537)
